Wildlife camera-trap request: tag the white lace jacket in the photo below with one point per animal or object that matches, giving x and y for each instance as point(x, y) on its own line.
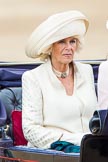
point(48, 113)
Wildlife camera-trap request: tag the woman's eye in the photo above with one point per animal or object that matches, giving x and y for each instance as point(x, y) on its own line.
point(73, 41)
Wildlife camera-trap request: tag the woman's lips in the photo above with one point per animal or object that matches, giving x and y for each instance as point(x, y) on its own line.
point(67, 54)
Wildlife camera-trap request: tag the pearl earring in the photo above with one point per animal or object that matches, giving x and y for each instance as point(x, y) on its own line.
point(49, 53)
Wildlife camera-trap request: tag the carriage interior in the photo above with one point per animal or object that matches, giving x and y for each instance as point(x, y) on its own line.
point(12, 141)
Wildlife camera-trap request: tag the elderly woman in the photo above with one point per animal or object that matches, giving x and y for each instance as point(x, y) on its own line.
point(58, 97)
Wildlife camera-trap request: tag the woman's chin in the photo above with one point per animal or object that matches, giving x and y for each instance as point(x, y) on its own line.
point(67, 61)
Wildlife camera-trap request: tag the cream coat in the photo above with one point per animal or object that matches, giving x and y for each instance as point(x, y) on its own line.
point(49, 114)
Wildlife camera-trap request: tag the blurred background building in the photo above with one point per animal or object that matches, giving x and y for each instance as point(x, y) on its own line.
point(18, 18)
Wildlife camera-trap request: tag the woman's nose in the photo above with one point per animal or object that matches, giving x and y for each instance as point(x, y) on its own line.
point(68, 46)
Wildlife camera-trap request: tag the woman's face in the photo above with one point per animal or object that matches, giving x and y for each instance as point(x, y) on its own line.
point(63, 50)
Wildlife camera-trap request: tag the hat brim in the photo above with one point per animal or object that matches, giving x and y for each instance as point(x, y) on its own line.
point(55, 28)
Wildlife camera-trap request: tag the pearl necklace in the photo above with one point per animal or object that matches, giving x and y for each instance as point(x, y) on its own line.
point(61, 74)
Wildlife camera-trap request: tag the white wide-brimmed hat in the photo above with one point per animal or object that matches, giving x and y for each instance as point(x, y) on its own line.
point(56, 27)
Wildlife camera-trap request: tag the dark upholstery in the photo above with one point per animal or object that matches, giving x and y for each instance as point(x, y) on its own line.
point(3, 114)
point(10, 101)
point(94, 148)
